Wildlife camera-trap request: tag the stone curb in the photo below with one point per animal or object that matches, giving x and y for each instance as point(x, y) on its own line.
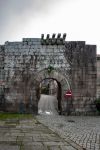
point(72, 143)
point(75, 145)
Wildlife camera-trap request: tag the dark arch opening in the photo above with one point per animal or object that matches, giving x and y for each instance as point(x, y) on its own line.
point(58, 94)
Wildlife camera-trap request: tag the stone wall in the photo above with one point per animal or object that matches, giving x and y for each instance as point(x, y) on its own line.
point(74, 64)
point(83, 73)
point(22, 61)
point(2, 78)
point(98, 76)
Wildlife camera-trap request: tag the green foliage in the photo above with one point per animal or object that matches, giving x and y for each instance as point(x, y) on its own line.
point(44, 90)
point(97, 101)
point(15, 116)
point(50, 68)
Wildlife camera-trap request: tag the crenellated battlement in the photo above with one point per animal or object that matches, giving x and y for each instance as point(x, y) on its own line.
point(54, 40)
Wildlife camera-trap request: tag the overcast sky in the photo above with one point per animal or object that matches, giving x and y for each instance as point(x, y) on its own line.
point(80, 19)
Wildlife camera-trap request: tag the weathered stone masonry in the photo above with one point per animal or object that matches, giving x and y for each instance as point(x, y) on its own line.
point(23, 65)
point(83, 76)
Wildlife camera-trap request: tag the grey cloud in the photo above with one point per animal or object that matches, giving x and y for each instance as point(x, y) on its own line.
point(12, 10)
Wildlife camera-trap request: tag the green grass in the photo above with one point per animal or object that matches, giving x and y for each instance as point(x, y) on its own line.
point(15, 116)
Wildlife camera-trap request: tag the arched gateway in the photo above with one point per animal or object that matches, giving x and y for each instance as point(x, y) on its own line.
point(62, 82)
point(25, 64)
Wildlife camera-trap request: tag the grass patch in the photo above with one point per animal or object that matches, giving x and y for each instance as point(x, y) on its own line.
point(15, 116)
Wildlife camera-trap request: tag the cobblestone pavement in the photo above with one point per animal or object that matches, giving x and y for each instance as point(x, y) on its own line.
point(83, 130)
point(30, 135)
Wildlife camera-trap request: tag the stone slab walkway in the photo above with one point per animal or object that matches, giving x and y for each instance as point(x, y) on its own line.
point(82, 130)
point(29, 134)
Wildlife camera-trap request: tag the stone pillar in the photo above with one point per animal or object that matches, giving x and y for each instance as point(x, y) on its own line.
point(84, 78)
point(2, 78)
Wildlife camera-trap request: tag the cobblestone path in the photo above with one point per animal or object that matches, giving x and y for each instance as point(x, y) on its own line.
point(30, 135)
point(85, 131)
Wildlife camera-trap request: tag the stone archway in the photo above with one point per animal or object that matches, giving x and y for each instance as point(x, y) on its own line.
point(62, 81)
